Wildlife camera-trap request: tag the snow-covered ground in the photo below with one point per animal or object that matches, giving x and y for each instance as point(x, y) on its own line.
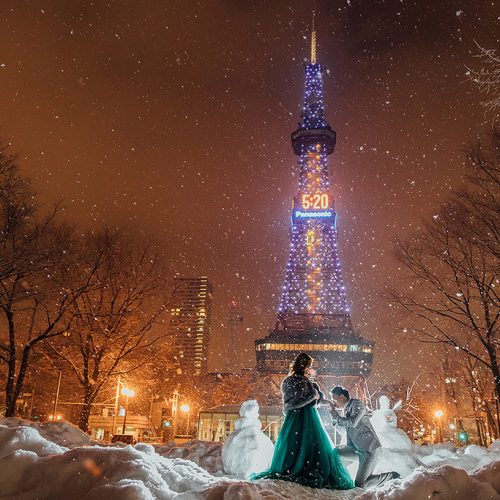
point(58, 461)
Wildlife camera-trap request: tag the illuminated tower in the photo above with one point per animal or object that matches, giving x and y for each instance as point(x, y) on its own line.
point(313, 315)
point(190, 315)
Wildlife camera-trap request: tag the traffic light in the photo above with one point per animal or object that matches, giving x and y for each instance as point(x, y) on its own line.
point(166, 418)
point(463, 437)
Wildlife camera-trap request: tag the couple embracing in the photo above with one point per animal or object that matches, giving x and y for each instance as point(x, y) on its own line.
point(304, 453)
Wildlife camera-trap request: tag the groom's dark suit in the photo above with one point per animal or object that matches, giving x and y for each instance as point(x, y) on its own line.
point(362, 441)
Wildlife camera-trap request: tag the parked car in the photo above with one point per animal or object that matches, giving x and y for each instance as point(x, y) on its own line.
point(123, 438)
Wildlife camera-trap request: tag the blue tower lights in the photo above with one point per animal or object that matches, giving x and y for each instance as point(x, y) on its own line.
point(313, 115)
point(313, 314)
point(313, 282)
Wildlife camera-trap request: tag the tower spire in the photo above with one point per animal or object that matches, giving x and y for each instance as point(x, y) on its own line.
point(313, 41)
point(313, 128)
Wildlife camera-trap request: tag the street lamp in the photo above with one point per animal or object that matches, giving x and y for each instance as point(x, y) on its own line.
point(185, 408)
point(438, 414)
point(127, 393)
point(452, 428)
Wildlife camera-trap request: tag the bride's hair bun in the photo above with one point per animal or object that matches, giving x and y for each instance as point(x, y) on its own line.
point(300, 364)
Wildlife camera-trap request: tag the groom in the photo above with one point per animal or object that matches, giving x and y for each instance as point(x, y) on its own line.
point(362, 441)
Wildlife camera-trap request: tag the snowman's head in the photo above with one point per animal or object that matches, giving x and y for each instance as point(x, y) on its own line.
point(249, 409)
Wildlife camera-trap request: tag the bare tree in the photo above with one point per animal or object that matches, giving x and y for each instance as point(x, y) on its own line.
point(33, 299)
point(117, 319)
point(451, 292)
point(474, 380)
point(487, 78)
point(405, 399)
point(249, 384)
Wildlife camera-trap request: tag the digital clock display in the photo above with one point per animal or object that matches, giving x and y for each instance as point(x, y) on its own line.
point(314, 206)
point(317, 201)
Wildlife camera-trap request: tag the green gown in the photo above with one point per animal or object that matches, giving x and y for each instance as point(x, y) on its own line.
point(304, 453)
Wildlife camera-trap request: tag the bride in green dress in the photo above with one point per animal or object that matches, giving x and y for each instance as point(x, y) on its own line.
point(303, 452)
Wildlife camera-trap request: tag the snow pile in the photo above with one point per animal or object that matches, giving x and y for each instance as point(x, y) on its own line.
point(206, 455)
point(38, 466)
point(446, 483)
point(495, 446)
point(247, 449)
point(33, 467)
point(28, 440)
point(59, 432)
point(269, 490)
point(470, 458)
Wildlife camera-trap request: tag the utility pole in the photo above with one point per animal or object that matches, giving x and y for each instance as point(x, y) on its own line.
point(175, 403)
point(125, 415)
point(32, 402)
point(57, 396)
point(117, 395)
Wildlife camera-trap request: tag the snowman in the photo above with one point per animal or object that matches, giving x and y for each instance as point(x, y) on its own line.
point(398, 452)
point(247, 449)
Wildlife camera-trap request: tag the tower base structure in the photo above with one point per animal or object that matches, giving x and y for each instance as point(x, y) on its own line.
point(341, 356)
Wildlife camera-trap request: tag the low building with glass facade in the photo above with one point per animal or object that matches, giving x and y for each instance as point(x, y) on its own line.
point(215, 424)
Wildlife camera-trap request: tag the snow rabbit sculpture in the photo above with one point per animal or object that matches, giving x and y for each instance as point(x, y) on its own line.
point(398, 452)
point(385, 423)
point(247, 449)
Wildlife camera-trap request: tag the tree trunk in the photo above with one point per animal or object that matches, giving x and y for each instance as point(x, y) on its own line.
point(10, 401)
point(16, 388)
point(83, 420)
point(490, 418)
point(495, 369)
point(479, 431)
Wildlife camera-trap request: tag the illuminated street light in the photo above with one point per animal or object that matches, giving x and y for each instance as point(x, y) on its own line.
point(438, 414)
point(185, 408)
point(127, 393)
point(452, 427)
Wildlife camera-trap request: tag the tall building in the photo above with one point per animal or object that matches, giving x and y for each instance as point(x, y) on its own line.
point(313, 315)
point(191, 311)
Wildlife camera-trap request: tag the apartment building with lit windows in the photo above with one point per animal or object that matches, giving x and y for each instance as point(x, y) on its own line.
point(191, 310)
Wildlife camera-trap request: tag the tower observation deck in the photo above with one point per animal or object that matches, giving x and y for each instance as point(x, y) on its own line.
point(313, 315)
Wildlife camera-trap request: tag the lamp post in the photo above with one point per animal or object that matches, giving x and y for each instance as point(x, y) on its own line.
point(452, 428)
point(175, 404)
point(185, 408)
point(56, 399)
point(117, 397)
point(438, 414)
point(127, 393)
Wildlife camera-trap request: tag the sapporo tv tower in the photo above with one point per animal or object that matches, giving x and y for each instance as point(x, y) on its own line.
point(313, 316)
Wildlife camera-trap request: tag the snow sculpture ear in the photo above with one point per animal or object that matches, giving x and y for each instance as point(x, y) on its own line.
point(398, 405)
point(384, 402)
